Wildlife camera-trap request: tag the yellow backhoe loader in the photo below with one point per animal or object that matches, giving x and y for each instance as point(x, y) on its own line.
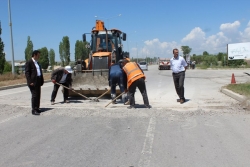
point(90, 76)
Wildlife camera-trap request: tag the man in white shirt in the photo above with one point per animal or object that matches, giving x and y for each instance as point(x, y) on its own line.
point(178, 66)
point(61, 76)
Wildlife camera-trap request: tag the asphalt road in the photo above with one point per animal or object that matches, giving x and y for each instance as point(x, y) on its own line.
point(210, 129)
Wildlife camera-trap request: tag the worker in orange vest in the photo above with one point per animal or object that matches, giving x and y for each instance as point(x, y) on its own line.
point(135, 78)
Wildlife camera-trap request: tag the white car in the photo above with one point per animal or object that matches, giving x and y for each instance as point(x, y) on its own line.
point(143, 65)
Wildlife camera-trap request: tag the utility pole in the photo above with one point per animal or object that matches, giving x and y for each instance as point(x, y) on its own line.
point(11, 38)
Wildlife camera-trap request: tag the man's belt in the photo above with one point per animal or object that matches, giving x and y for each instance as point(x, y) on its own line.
point(178, 72)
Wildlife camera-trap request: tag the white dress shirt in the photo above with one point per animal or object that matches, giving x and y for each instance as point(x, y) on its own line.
point(37, 68)
point(178, 64)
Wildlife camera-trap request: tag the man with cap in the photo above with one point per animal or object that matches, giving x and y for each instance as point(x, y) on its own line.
point(135, 78)
point(116, 77)
point(63, 77)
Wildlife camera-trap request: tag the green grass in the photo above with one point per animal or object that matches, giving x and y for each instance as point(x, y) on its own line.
point(242, 89)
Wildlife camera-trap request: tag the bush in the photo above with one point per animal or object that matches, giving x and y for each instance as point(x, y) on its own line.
point(7, 67)
point(8, 76)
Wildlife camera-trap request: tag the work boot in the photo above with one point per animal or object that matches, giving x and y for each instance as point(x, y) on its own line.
point(147, 106)
point(182, 101)
point(131, 107)
point(113, 96)
point(52, 103)
point(37, 110)
point(34, 112)
point(124, 97)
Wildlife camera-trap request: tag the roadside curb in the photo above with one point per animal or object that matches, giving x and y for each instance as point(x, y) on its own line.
point(235, 96)
point(18, 85)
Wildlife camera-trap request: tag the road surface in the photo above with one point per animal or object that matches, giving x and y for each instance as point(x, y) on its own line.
point(210, 129)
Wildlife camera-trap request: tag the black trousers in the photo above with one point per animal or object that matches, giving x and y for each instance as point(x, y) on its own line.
point(36, 94)
point(179, 84)
point(140, 83)
point(65, 92)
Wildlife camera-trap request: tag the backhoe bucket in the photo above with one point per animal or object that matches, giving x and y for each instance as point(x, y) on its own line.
point(91, 83)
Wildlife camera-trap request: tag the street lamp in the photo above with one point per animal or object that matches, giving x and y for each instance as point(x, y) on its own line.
point(11, 38)
point(108, 18)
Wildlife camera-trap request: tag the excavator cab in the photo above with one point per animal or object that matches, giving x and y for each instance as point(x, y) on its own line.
point(105, 47)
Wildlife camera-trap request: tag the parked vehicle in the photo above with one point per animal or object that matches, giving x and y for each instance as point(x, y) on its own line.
point(143, 65)
point(164, 64)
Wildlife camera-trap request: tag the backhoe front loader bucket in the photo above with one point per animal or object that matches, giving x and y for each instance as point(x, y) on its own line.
point(91, 83)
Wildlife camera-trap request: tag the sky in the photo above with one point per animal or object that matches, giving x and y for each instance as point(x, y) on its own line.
point(153, 27)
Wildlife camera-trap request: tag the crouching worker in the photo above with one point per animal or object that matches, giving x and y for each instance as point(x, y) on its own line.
point(135, 78)
point(62, 76)
point(116, 77)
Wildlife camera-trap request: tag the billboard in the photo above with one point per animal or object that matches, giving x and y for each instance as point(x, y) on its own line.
point(237, 51)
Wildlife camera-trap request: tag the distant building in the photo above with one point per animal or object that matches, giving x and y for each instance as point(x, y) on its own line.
point(20, 66)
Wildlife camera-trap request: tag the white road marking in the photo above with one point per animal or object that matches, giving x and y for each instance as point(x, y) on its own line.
point(148, 143)
point(10, 118)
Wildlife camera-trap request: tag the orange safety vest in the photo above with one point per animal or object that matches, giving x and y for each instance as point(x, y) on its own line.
point(133, 72)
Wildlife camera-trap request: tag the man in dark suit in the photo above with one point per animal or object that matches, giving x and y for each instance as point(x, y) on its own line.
point(34, 76)
point(63, 77)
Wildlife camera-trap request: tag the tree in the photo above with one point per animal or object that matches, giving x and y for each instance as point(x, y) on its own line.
point(210, 60)
point(79, 50)
point(52, 57)
point(2, 54)
point(44, 58)
point(220, 56)
point(186, 50)
point(61, 53)
point(64, 50)
point(29, 49)
point(205, 53)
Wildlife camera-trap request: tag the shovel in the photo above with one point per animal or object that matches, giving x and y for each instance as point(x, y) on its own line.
point(115, 98)
point(74, 91)
point(96, 99)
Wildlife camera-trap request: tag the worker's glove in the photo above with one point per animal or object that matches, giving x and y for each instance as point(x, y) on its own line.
point(54, 81)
